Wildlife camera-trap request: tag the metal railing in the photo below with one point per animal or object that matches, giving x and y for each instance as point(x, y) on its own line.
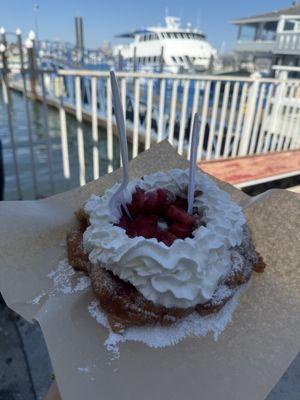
point(239, 116)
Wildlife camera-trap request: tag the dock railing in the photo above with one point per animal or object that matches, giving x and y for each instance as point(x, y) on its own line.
point(239, 116)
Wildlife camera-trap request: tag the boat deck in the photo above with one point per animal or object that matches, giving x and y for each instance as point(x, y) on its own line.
point(251, 170)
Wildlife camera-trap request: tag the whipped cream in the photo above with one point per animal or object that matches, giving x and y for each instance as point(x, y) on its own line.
point(184, 274)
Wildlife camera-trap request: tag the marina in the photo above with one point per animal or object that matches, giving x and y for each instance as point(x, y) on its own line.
point(239, 116)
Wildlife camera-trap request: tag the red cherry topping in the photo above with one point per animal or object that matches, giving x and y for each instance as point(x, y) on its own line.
point(138, 198)
point(141, 226)
point(159, 214)
point(124, 222)
point(180, 231)
point(177, 214)
point(164, 199)
point(181, 203)
point(150, 201)
point(166, 237)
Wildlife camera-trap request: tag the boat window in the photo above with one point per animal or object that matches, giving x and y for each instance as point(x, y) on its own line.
point(181, 59)
point(163, 35)
point(173, 59)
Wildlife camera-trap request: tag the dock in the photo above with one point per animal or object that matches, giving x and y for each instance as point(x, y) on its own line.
point(254, 170)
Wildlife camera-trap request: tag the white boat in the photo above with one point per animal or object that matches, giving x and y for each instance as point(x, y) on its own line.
point(175, 48)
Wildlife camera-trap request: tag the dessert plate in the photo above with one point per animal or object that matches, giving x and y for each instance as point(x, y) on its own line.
point(246, 361)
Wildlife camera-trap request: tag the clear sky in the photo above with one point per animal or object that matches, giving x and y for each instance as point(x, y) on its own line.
point(104, 18)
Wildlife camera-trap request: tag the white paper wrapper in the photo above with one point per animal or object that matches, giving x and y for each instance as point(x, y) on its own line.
point(246, 361)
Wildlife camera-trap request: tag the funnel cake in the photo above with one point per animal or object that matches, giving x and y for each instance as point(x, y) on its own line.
point(162, 264)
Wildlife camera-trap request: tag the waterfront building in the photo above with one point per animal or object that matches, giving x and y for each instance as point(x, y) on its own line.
point(271, 39)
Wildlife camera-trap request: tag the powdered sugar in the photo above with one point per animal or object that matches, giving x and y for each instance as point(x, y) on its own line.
point(61, 277)
point(158, 336)
point(65, 281)
point(38, 298)
point(82, 284)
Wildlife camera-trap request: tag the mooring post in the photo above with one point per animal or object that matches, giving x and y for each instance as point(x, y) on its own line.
point(120, 61)
point(134, 60)
point(27, 112)
point(7, 100)
point(30, 45)
point(3, 50)
point(161, 60)
point(79, 39)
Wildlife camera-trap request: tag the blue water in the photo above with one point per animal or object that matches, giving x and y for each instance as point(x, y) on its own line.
point(41, 153)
